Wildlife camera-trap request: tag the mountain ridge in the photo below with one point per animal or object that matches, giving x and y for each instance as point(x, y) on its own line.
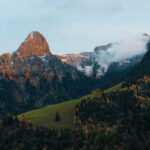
point(32, 57)
point(98, 62)
point(92, 64)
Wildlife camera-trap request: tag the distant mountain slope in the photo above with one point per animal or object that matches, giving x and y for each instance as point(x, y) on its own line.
point(98, 62)
point(142, 68)
point(130, 74)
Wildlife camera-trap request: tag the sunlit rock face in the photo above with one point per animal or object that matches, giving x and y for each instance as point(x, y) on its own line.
point(34, 45)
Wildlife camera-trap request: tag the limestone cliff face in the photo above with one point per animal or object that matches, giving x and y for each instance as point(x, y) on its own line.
point(34, 45)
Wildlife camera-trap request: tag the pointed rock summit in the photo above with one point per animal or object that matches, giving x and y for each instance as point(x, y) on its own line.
point(34, 45)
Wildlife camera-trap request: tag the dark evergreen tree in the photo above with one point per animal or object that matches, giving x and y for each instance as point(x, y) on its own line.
point(57, 117)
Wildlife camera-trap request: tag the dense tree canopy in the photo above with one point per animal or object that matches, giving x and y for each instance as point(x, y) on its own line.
point(125, 113)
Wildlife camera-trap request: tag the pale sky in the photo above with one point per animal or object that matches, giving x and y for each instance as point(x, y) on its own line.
point(72, 26)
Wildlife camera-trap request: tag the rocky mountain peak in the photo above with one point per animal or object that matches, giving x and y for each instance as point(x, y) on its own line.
point(103, 47)
point(34, 45)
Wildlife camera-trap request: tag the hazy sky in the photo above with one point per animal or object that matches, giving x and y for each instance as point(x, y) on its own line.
point(72, 25)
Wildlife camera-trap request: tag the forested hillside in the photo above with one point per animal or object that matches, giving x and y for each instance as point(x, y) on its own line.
point(15, 99)
point(123, 114)
point(108, 120)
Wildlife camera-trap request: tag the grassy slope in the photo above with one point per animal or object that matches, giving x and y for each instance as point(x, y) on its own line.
point(114, 88)
point(46, 116)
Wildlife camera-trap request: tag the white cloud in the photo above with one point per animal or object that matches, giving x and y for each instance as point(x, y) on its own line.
point(130, 46)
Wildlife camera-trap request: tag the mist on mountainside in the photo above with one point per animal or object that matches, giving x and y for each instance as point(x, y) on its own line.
point(130, 46)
